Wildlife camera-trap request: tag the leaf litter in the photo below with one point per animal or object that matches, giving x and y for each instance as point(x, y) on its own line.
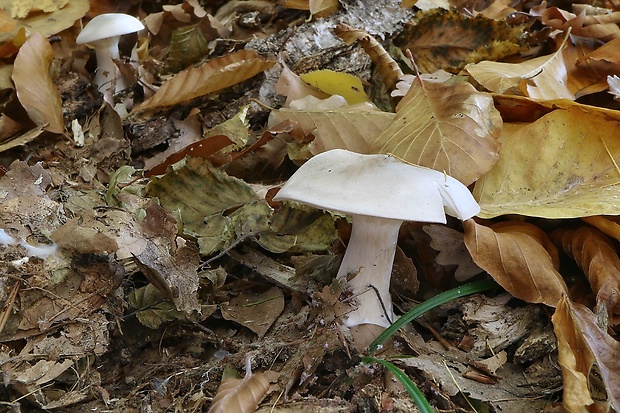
point(144, 258)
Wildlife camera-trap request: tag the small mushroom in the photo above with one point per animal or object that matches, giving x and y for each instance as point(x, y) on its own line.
point(103, 33)
point(379, 192)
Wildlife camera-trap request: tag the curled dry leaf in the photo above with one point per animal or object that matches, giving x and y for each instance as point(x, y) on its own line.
point(517, 261)
point(35, 89)
point(386, 66)
point(446, 127)
point(597, 257)
point(581, 343)
point(215, 75)
point(534, 232)
point(240, 395)
point(543, 78)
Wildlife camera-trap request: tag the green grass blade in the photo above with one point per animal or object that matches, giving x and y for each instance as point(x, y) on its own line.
point(429, 304)
point(412, 389)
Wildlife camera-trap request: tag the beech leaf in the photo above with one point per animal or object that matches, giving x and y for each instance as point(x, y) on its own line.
point(581, 343)
point(35, 89)
point(597, 257)
point(213, 76)
point(518, 262)
point(543, 78)
point(446, 127)
point(240, 395)
point(561, 166)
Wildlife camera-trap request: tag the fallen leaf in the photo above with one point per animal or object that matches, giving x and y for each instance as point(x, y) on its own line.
point(534, 232)
point(240, 395)
point(337, 83)
point(452, 251)
point(543, 78)
point(581, 343)
point(518, 263)
point(597, 257)
point(449, 40)
point(35, 89)
point(152, 309)
point(603, 27)
point(213, 76)
point(561, 166)
point(446, 127)
point(347, 127)
point(255, 311)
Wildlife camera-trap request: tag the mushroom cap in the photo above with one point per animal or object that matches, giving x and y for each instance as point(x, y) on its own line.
point(380, 186)
point(108, 25)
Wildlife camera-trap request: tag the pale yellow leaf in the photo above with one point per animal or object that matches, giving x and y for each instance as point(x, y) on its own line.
point(348, 127)
point(517, 261)
point(323, 8)
point(541, 78)
point(560, 166)
point(215, 75)
point(35, 89)
point(581, 343)
point(21, 8)
point(446, 127)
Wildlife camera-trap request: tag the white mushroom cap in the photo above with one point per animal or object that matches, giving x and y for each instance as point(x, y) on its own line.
point(108, 25)
point(380, 186)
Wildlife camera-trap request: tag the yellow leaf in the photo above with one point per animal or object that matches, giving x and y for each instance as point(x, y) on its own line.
point(213, 76)
point(561, 166)
point(21, 8)
point(446, 127)
point(35, 89)
point(337, 83)
point(543, 78)
point(517, 261)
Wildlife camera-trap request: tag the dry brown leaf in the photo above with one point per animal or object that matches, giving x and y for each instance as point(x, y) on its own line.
point(255, 310)
point(603, 27)
point(518, 262)
point(35, 89)
point(534, 232)
point(240, 395)
point(597, 257)
point(215, 75)
point(446, 127)
point(386, 66)
point(452, 251)
point(581, 343)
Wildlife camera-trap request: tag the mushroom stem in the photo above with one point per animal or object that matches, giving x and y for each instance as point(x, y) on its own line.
point(108, 78)
point(367, 263)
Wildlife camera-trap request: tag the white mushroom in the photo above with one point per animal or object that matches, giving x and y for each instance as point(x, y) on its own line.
point(103, 33)
point(379, 192)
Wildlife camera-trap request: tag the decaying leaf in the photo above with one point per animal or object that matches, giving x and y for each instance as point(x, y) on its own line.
point(152, 309)
point(35, 89)
point(518, 262)
point(603, 26)
point(449, 40)
point(215, 75)
point(541, 78)
point(597, 257)
point(256, 311)
point(452, 251)
point(446, 127)
point(240, 395)
point(561, 166)
point(187, 46)
point(581, 343)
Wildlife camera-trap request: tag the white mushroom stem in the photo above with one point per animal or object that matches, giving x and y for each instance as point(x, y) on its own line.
point(367, 263)
point(108, 78)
